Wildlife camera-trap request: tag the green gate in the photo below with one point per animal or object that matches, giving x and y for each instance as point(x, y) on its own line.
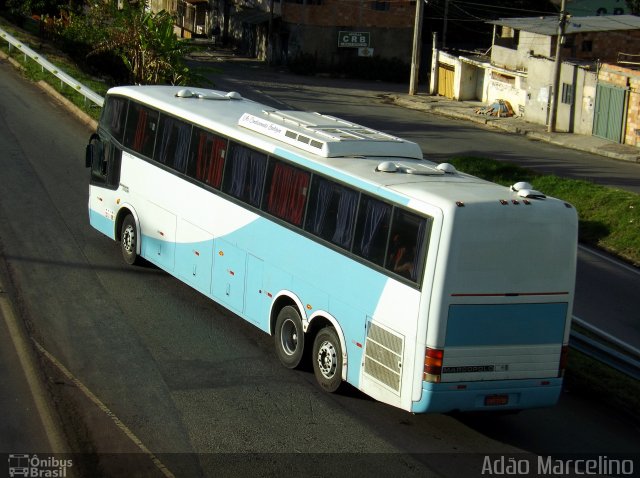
point(609, 112)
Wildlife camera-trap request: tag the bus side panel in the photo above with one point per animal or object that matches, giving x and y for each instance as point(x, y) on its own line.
point(103, 223)
point(194, 256)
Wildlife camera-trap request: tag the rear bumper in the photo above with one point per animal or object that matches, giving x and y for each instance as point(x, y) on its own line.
point(470, 396)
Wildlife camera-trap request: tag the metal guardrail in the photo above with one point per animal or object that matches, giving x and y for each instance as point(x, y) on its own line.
point(606, 349)
point(51, 68)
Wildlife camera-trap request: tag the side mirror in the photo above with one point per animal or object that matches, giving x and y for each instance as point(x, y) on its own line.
point(90, 150)
point(88, 158)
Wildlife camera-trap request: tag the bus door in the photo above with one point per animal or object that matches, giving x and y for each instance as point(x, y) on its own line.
point(104, 159)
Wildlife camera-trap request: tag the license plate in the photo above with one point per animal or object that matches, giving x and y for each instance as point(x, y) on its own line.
point(494, 400)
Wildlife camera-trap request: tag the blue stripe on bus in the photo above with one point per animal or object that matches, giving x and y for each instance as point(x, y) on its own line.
point(227, 277)
point(101, 223)
point(506, 324)
point(447, 397)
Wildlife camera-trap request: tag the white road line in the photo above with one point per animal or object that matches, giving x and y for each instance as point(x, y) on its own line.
point(91, 396)
point(52, 429)
point(615, 262)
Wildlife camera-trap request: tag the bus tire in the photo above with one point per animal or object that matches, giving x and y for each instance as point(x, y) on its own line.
point(129, 240)
point(289, 337)
point(327, 359)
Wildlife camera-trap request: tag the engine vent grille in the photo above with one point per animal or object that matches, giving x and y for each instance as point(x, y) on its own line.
point(383, 356)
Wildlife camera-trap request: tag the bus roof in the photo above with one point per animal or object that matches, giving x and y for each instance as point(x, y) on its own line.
point(362, 156)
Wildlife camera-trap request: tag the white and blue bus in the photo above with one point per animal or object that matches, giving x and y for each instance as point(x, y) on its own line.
point(426, 288)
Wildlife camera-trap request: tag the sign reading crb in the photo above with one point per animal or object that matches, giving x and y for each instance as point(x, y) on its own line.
point(354, 39)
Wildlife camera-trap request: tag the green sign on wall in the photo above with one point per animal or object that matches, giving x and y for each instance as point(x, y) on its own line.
point(354, 39)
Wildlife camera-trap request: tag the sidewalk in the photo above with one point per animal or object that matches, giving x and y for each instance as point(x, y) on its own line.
point(466, 110)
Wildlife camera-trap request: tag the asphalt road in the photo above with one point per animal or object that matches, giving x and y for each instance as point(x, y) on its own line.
point(147, 373)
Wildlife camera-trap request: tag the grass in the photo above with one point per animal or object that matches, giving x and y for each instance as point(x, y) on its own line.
point(609, 218)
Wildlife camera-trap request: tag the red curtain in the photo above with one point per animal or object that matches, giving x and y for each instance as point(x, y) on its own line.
point(211, 151)
point(288, 193)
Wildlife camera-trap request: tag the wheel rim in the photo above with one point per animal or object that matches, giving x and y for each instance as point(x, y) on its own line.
point(129, 239)
point(289, 337)
point(327, 359)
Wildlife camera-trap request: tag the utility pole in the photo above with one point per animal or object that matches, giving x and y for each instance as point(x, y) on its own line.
point(415, 54)
point(553, 113)
point(444, 24)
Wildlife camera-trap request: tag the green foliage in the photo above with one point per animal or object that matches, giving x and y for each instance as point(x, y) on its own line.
point(609, 218)
point(132, 40)
point(634, 6)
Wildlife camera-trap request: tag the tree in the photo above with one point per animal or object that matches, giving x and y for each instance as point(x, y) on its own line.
point(634, 6)
point(144, 41)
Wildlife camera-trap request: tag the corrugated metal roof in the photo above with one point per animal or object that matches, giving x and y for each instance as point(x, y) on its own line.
point(549, 25)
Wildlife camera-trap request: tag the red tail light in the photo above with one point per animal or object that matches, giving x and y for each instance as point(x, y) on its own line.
point(433, 365)
point(564, 357)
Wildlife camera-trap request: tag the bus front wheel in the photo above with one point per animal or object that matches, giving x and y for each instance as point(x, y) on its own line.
point(129, 240)
point(327, 359)
point(289, 337)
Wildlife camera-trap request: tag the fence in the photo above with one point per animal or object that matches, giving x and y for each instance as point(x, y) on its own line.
point(51, 68)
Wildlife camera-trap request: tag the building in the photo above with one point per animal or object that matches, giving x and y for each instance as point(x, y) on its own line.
point(520, 68)
point(331, 31)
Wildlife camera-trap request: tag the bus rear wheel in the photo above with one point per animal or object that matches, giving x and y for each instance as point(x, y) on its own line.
point(327, 359)
point(129, 240)
point(289, 337)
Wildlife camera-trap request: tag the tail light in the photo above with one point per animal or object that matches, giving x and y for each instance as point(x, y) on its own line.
point(564, 357)
point(433, 365)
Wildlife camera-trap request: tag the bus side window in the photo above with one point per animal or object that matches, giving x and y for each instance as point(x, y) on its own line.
point(404, 255)
point(286, 192)
point(244, 174)
point(140, 132)
point(173, 143)
point(206, 157)
point(332, 211)
point(372, 230)
point(105, 163)
point(114, 116)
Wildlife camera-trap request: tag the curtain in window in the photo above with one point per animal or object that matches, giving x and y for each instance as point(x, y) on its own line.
point(375, 213)
point(116, 116)
point(345, 220)
point(174, 143)
point(247, 174)
point(210, 159)
point(141, 130)
point(288, 193)
point(322, 201)
point(417, 266)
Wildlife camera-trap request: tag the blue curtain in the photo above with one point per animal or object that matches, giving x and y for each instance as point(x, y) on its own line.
point(247, 174)
point(346, 217)
point(323, 198)
point(375, 213)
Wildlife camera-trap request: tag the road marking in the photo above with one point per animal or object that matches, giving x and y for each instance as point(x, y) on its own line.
point(615, 262)
point(20, 343)
point(91, 396)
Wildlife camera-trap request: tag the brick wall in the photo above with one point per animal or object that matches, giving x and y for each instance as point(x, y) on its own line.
point(351, 13)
